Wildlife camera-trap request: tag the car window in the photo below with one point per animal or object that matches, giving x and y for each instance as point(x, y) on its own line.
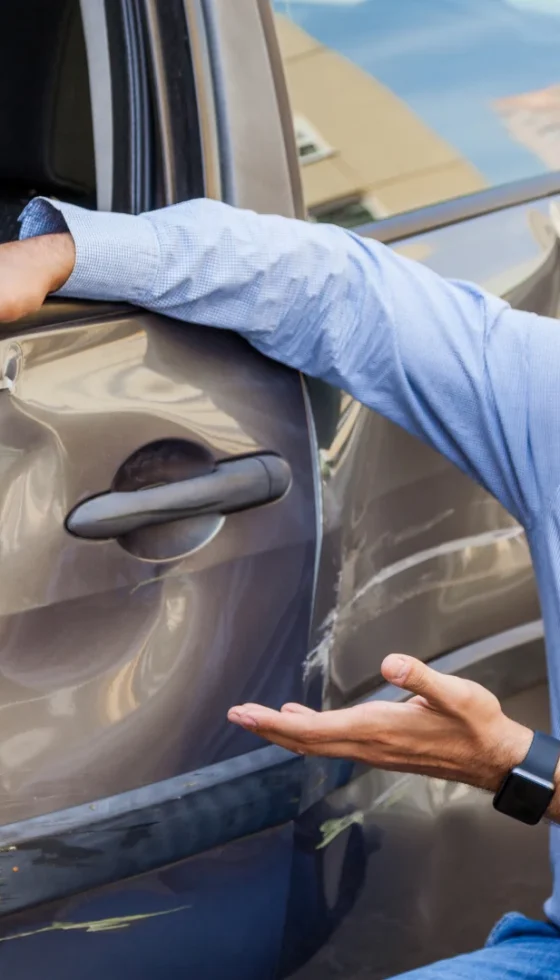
point(46, 137)
point(399, 105)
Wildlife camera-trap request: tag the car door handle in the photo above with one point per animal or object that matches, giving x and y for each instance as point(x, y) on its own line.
point(234, 485)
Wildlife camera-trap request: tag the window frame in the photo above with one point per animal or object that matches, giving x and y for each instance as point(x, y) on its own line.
point(179, 165)
point(94, 21)
point(416, 221)
point(145, 122)
point(457, 209)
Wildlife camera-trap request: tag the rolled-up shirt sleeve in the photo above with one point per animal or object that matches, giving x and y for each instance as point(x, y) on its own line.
point(451, 364)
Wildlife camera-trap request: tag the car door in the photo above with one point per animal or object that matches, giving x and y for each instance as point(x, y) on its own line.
point(417, 126)
point(123, 647)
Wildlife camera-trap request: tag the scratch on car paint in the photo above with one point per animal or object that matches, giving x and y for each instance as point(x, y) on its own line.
point(17, 704)
point(96, 925)
point(154, 579)
point(416, 529)
point(382, 596)
point(319, 782)
point(331, 829)
point(447, 548)
point(319, 656)
point(390, 538)
point(393, 794)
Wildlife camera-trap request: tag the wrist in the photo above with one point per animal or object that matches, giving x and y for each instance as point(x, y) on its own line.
point(510, 745)
point(59, 253)
point(49, 259)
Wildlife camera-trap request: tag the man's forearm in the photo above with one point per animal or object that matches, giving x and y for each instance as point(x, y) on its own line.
point(349, 312)
point(31, 270)
point(437, 358)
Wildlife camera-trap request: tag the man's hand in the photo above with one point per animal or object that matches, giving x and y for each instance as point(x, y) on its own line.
point(453, 728)
point(32, 269)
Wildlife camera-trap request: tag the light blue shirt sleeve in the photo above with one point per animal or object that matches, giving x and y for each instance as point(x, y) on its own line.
point(451, 364)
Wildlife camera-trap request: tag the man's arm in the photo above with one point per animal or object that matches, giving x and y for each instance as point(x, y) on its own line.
point(30, 270)
point(449, 363)
point(450, 728)
point(446, 361)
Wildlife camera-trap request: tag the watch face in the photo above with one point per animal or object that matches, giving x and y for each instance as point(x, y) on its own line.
point(524, 797)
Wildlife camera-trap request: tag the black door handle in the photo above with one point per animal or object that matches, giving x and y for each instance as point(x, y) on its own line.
point(233, 486)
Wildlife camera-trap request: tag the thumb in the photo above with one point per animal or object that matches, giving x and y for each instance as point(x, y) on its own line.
point(450, 694)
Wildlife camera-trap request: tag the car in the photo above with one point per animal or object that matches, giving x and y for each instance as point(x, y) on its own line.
point(140, 833)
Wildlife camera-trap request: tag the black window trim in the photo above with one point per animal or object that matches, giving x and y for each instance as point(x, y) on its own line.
point(180, 161)
point(140, 116)
point(116, 55)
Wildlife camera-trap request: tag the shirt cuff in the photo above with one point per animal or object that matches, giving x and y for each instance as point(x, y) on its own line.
point(117, 255)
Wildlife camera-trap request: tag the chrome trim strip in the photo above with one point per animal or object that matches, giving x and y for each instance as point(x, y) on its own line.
point(284, 106)
point(162, 107)
point(254, 166)
point(318, 491)
point(200, 27)
point(71, 851)
point(99, 68)
point(461, 208)
point(467, 661)
point(140, 176)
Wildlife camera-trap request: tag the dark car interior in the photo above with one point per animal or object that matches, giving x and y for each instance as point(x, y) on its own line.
point(46, 130)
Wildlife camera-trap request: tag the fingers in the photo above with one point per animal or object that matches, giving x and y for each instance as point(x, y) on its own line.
point(298, 709)
point(258, 717)
point(452, 695)
point(298, 729)
point(291, 722)
point(302, 725)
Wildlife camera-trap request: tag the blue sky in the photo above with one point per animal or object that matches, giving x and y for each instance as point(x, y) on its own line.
point(449, 59)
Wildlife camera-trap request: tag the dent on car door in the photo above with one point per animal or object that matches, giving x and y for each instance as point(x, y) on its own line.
point(120, 656)
point(131, 649)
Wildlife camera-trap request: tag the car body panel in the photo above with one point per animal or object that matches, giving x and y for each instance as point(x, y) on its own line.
point(119, 657)
point(418, 548)
point(126, 651)
point(423, 869)
point(123, 768)
point(194, 918)
point(418, 870)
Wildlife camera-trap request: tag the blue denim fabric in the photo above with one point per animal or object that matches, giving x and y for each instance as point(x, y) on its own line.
point(517, 949)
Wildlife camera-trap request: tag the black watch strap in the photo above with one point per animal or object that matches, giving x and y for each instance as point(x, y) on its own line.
point(528, 789)
point(542, 758)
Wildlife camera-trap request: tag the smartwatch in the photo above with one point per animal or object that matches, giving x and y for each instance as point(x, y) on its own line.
point(527, 791)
